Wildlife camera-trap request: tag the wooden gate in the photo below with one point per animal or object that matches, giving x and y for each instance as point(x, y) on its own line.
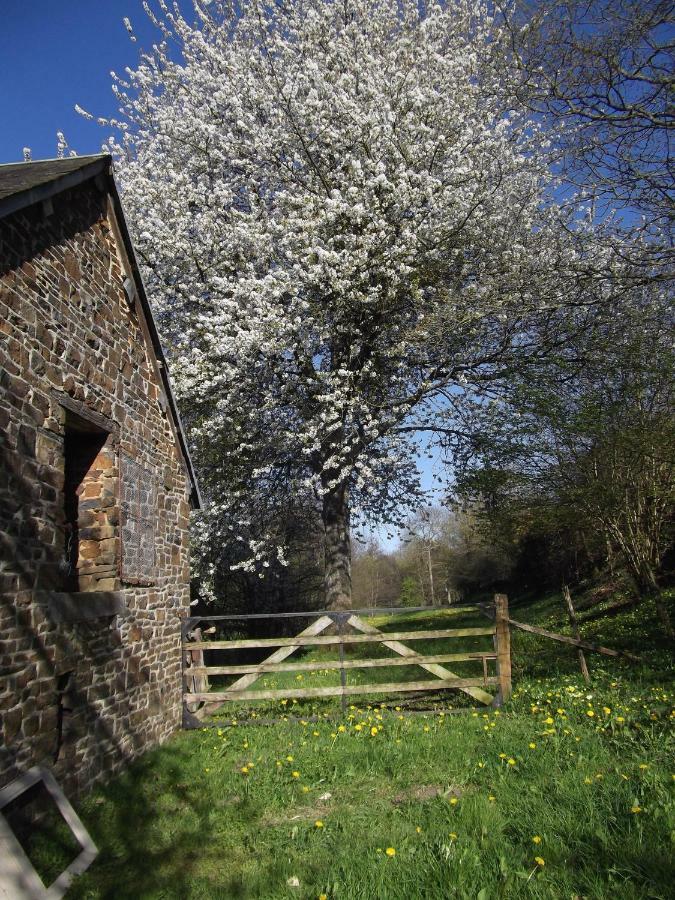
point(346, 628)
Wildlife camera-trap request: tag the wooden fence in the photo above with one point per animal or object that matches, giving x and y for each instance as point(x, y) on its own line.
point(346, 628)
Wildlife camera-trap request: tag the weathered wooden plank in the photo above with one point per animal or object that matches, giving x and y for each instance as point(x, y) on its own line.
point(335, 665)
point(571, 612)
point(503, 644)
point(325, 640)
point(402, 650)
point(286, 650)
point(396, 687)
point(564, 639)
point(195, 681)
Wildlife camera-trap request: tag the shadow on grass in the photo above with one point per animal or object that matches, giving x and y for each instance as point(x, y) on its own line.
point(167, 829)
point(152, 826)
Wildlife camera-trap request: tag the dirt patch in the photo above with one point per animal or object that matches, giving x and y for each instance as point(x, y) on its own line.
point(424, 792)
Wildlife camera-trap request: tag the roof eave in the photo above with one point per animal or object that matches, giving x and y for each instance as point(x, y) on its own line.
point(22, 199)
point(195, 494)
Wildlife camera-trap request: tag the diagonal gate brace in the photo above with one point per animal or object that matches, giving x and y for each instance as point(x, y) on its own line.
point(434, 668)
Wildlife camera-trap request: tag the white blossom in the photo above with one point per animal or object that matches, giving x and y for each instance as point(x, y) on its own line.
point(346, 219)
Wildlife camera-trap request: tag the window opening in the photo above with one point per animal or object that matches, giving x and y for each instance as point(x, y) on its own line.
point(82, 446)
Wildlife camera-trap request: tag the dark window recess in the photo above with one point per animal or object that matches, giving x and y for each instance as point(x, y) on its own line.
point(138, 507)
point(83, 443)
point(63, 711)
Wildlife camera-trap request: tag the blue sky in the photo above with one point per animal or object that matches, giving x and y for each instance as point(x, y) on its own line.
point(54, 54)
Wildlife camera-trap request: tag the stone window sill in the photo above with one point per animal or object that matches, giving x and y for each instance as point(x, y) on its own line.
point(83, 606)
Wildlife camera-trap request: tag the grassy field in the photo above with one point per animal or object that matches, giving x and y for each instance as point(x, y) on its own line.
point(566, 792)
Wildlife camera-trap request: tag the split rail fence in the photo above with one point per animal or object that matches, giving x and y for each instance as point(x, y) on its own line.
point(344, 629)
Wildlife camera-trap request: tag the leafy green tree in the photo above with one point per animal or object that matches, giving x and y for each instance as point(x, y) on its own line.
point(411, 594)
point(591, 446)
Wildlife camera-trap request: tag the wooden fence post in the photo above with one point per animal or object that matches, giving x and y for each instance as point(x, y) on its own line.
point(503, 645)
point(575, 631)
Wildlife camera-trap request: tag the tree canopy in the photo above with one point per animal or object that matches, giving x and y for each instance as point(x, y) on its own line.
point(347, 220)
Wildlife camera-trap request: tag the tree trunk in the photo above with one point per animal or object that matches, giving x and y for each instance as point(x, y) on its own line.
point(648, 586)
point(338, 551)
point(432, 595)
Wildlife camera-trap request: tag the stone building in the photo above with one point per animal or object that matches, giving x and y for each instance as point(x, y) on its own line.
point(96, 484)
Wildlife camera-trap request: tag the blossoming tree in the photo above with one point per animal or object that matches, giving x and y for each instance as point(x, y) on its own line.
point(342, 218)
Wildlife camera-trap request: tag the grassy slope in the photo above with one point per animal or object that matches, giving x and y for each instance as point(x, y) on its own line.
point(459, 798)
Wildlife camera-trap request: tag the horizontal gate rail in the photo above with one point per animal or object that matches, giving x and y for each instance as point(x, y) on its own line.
point(326, 639)
point(336, 664)
point(311, 614)
point(395, 687)
point(345, 628)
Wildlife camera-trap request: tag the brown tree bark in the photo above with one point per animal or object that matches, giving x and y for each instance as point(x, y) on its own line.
point(338, 551)
point(648, 586)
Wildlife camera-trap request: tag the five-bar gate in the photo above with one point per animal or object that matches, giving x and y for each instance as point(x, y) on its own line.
point(337, 629)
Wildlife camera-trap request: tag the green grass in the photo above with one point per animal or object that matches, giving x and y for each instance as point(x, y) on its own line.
point(459, 796)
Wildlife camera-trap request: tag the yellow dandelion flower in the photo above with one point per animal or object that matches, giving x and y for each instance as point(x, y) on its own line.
point(244, 770)
point(305, 789)
point(341, 728)
point(452, 836)
point(539, 861)
point(548, 720)
point(620, 720)
point(295, 774)
point(480, 765)
point(590, 713)
point(289, 759)
point(426, 728)
point(606, 710)
point(453, 801)
point(358, 727)
point(511, 761)
point(588, 780)
point(323, 896)
point(532, 745)
point(418, 830)
point(390, 851)
point(373, 731)
point(318, 824)
point(643, 766)
point(536, 839)
point(491, 798)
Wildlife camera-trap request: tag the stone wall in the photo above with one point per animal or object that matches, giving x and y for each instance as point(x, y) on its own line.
point(83, 693)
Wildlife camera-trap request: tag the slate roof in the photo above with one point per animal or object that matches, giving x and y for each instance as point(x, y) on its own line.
point(25, 183)
point(24, 176)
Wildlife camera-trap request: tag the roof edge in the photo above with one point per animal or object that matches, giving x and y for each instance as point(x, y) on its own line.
point(22, 199)
point(195, 494)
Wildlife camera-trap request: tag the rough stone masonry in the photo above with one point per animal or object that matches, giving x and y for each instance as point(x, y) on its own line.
point(96, 485)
